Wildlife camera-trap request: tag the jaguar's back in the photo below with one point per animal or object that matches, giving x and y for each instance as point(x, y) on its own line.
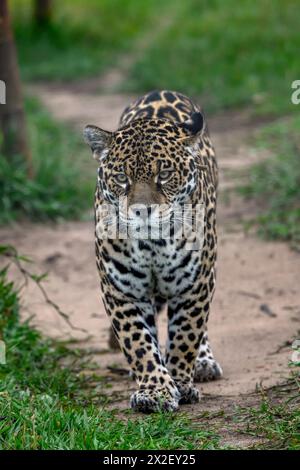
point(160, 105)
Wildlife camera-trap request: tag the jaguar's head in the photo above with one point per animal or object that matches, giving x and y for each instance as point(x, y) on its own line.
point(148, 164)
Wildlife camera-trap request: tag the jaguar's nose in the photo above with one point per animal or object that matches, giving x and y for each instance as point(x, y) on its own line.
point(140, 211)
point(145, 194)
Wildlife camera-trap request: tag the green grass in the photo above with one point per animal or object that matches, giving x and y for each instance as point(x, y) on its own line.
point(84, 37)
point(64, 181)
point(46, 403)
point(275, 183)
point(67, 426)
point(229, 54)
point(276, 420)
point(278, 425)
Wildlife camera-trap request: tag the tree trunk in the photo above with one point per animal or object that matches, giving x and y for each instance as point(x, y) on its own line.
point(42, 12)
point(12, 117)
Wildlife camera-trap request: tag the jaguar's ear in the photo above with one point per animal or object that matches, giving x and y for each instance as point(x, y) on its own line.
point(195, 126)
point(99, 141)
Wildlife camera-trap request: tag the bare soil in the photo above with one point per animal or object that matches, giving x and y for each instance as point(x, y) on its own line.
point(256, 309)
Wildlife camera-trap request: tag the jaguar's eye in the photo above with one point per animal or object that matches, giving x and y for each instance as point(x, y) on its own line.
point(121, 178)
point(164, 175)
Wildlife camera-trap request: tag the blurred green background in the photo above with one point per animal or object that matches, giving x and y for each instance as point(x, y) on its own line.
point(228, 53)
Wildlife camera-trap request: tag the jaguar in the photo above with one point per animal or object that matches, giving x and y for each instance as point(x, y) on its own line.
point(158, 162)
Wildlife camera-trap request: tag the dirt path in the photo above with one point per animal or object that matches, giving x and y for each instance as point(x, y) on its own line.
point(255, 312)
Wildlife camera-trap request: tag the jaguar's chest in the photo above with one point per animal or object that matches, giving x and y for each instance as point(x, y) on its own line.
point(145, 267)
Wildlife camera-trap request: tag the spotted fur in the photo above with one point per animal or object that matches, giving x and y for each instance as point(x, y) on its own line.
point(160, 154)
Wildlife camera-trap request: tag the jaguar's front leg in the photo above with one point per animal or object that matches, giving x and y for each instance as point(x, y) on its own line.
point(185, 331)
point(134, 327)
